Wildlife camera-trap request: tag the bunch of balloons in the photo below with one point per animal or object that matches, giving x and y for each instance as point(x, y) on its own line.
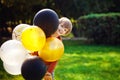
point(27, 39)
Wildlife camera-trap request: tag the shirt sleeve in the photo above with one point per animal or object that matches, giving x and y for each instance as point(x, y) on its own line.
point(52, 66)
point(60, 38)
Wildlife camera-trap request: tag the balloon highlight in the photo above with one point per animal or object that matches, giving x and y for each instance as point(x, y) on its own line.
point(33, 38)
point(47, 20)
point(53, 50)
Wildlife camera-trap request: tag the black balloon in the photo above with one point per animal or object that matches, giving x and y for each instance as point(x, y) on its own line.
point(47, 20)
point(33, 69)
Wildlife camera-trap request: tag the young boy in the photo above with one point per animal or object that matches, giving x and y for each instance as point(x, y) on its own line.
point(64, 28)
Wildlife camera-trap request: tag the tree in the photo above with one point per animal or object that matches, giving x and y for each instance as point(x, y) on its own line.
point(23, 11)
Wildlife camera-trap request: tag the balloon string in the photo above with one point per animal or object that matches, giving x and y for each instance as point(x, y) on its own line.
point(34, 53)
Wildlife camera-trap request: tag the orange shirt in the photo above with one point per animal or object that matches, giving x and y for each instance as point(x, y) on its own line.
point(51, 65)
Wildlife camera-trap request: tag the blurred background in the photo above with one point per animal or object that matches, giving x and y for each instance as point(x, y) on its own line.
point(92, 49)
point(95, 21)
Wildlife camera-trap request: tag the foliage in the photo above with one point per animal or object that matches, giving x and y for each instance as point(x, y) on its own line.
point(102, 28)
point(100, 15)
point(14, 12)
point(76, 8)
point(25, 9)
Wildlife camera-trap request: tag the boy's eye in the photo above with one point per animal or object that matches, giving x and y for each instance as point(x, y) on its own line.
point(65, 30)
point(62, 26)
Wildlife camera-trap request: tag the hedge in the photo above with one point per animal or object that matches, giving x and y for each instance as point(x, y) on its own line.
point(102, 28)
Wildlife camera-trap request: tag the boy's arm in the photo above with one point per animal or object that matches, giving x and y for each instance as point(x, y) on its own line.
point(52, 66)
point(47, 76)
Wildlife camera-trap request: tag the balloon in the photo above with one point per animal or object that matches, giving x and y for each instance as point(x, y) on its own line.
point(33, 69)
point(16, 34)
point(15, 69)
point(52, 51)
point(47, 20)
point(13, 52)
point(12, 69)
point(33, 38)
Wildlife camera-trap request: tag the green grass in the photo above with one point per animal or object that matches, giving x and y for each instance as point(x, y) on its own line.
point(89, 62)
point(83, 62)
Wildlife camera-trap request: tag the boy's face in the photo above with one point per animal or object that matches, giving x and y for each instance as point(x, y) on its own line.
point(60, 31)
point(64, 27)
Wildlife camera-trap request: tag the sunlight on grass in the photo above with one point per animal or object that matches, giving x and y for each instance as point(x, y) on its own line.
point(83, 62)
point(93, 63)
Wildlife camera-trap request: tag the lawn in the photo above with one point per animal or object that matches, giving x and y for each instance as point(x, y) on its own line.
point(83, 62)
point(89, 62)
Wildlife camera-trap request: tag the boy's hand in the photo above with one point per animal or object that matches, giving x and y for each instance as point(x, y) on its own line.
point(47, 76)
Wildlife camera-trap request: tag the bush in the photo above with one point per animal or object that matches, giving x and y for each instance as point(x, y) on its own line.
point(102, 28)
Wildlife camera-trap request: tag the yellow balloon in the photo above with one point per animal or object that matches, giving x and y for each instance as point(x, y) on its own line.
point(52, 51)
point(33, 38)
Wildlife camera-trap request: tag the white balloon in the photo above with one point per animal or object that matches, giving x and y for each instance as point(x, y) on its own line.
point(12, 69)
point(16, 34)
point(13, 52)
